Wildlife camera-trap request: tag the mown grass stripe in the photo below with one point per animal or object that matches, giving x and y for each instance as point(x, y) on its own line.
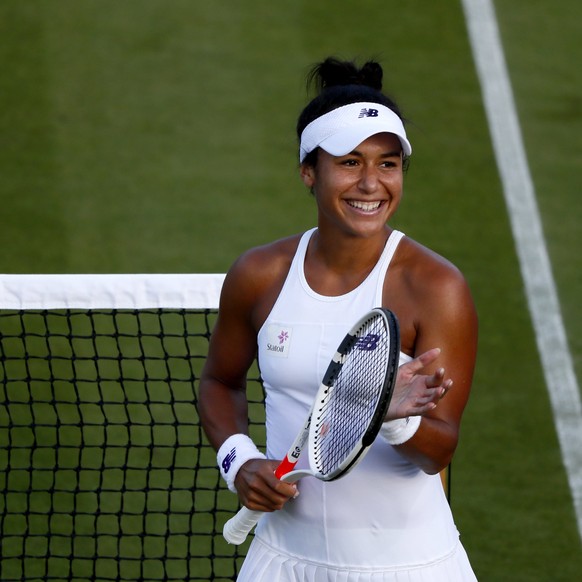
point(529, 239)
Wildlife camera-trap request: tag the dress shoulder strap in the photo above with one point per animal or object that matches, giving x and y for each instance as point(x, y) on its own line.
point(385, 259)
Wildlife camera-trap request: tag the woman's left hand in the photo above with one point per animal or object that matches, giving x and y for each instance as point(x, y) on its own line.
point(416, 393)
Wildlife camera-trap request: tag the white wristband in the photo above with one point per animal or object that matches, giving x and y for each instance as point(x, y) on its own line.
point(400, 430)
point(233, 454)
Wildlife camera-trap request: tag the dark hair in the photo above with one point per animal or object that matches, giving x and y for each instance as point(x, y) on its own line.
point(340, 83)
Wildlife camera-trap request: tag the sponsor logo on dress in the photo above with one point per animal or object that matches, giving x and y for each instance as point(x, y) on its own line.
point(278, 340)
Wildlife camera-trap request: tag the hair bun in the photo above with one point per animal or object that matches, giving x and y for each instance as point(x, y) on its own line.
point(372, 74)
point(333, 72)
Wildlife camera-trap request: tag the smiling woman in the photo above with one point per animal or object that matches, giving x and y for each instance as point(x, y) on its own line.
point(364, 184)
point(313, 286)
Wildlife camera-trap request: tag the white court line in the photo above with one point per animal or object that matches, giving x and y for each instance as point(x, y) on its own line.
point(529, 239)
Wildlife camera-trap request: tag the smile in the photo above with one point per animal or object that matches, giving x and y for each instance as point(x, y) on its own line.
point(365, 206)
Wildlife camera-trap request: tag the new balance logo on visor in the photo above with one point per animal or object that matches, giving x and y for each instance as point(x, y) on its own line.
point(368, 113)
point(227, 461)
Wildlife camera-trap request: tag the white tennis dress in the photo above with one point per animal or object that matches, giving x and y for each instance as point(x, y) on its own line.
point(385, 521)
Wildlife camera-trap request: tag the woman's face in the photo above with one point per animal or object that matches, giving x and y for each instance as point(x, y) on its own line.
point(359, 192)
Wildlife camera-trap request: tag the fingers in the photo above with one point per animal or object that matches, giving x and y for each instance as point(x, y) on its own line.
point(421, 361)
point(441, 390)
point(259, 489)
point(436, 379)
point(415, 393)
point(430, 399)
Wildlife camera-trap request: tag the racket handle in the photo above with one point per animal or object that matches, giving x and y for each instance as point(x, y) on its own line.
point(237, 528)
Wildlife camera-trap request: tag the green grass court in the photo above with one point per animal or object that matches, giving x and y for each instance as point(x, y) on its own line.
point(152, 136)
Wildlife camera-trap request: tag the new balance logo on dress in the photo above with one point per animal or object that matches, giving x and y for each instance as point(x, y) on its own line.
point(365, 112)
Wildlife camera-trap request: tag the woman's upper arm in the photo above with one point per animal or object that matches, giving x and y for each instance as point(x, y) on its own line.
point(450, 323)
point(446, 319)
point(232, 349)
point(233, 342)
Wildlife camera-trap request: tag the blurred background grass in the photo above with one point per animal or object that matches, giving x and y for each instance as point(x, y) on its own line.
point(158, 136)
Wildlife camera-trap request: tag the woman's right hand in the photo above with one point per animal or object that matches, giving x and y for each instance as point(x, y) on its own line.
point(259, 489)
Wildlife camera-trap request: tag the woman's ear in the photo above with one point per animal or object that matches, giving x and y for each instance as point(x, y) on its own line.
point(307, 173)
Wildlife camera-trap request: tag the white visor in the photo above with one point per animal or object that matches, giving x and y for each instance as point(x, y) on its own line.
point(340, 131)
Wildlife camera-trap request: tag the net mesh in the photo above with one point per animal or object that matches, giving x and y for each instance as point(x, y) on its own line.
point(105, 473)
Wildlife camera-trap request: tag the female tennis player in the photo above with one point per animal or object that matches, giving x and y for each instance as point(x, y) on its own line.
point(289, 303)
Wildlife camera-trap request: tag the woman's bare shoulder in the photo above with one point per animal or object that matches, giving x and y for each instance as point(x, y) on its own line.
point(261, 264)
point(433, 301)
point(259, 273)
point(424, 270)
point(264, 257)
point(424, 287)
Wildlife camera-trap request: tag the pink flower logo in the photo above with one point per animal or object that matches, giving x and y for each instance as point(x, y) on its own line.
point(283, 337)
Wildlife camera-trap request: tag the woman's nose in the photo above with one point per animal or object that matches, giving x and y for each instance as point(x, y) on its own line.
point(368, 180)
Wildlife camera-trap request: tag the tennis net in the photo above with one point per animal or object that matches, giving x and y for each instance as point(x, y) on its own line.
point(105, 473)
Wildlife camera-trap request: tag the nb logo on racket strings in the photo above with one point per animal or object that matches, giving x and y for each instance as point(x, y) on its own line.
point(368, 343)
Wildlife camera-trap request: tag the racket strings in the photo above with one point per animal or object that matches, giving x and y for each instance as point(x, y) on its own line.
point(345, 413)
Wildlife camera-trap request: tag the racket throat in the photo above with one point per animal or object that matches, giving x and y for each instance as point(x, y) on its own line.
point(285, 467)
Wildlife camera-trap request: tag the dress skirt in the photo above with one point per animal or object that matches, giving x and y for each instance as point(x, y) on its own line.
point(263, 564)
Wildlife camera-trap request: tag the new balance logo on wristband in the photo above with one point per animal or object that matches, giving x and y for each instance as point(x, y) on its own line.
point(228, 460)
point(368, 113)
point(234, 452)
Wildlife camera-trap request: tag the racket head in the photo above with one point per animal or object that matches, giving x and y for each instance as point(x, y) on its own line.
point(354, 395)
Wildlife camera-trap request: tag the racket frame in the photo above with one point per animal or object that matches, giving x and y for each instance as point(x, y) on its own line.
point(349, 343)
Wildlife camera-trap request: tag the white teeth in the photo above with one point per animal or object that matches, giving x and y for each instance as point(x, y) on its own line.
point(366, 206)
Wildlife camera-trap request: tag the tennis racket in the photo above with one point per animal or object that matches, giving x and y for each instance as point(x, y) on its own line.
point(347, 413)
